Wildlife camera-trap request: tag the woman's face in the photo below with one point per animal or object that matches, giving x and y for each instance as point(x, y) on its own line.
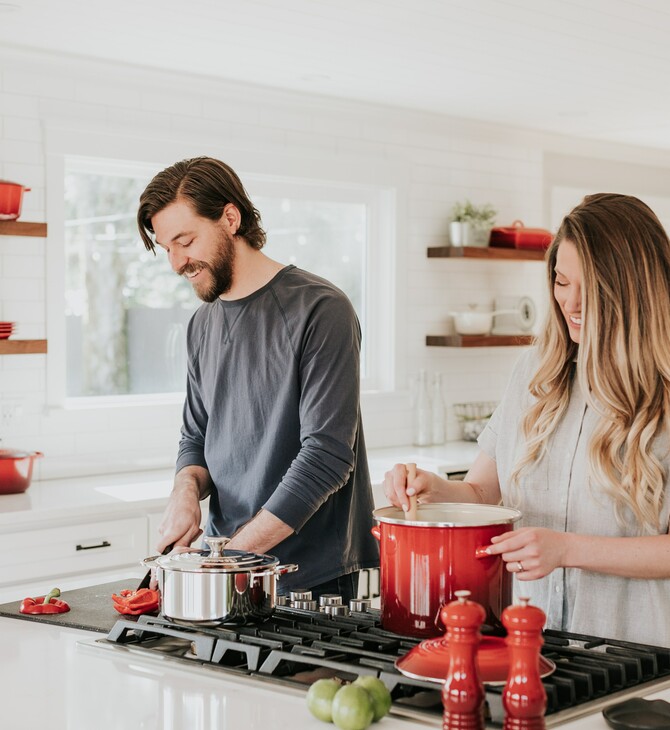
point(568, 287)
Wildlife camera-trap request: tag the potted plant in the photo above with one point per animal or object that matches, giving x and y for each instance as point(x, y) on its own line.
point(470, 224)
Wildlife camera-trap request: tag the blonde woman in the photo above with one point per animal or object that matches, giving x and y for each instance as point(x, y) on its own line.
point(580, 442)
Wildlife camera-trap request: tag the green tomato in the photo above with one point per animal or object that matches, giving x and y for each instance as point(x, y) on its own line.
point(352, 708)
point(320, 698)
point(381, 697)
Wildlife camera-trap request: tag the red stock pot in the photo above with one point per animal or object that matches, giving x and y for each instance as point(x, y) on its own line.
point(425, 561)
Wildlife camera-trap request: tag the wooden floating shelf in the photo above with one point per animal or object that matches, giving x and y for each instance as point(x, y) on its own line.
point(23, 228)
point(479, 340)
point(23, 347)
point(484, 252)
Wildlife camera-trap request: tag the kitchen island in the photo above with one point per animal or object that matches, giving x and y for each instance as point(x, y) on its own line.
point(58, 678)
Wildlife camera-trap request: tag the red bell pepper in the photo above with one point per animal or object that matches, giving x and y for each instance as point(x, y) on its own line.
point(44, 604)
point(134, 603)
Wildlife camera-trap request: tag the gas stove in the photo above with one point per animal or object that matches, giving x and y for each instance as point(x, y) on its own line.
point(297, 646)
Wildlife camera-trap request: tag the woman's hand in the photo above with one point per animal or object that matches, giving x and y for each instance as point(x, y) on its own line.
point(531, 552)
point(427, 486)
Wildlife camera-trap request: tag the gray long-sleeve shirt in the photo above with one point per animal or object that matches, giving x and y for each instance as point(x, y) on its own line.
point(272, 411)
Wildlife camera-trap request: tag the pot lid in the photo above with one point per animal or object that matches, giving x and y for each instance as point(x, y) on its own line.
point(450, 514)
point(217, 561)
point(429, 660)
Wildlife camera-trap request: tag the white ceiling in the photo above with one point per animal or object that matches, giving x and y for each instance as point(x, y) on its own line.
point(591, 68)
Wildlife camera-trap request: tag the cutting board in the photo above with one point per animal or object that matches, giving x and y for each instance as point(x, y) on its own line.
point(91, 608)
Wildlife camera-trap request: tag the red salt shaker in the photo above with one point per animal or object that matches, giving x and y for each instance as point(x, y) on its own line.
point(463, 691)
point(524, 697)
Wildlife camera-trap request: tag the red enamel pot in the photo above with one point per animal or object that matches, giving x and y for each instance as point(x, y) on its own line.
point(423, 562)
point(11, 198)
point(16, 470)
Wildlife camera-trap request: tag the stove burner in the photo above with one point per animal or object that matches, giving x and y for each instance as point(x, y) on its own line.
point(298, 646)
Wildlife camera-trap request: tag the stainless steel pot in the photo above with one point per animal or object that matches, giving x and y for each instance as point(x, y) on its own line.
point(217, 587)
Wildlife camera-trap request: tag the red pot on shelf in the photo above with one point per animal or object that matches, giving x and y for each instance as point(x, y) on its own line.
point(423, 563)
point(16, 470)
point(11, 198)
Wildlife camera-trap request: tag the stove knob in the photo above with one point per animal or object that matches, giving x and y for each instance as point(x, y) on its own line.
point(301, 594)
point(330, 599)
point(282, 601)
point(336, 610)
point(307, 605)
point(360, 605)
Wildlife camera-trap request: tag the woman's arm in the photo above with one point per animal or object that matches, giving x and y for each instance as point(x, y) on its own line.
point(480, 485)
point(538, 551)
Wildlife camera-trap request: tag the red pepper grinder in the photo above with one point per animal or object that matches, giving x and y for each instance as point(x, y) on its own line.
point(524, 698)
point(463, 691)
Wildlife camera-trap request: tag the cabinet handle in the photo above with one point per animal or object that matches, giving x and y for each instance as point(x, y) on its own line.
point(103, 544)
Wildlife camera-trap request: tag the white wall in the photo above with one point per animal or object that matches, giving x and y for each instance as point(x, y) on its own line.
point(431, 160)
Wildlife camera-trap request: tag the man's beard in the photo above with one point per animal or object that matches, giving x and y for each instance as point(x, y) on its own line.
point(220, 270)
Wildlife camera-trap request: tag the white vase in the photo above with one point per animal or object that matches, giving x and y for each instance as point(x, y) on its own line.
point(460, 233)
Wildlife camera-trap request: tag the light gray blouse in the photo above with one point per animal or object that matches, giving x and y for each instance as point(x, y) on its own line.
point(556, 493)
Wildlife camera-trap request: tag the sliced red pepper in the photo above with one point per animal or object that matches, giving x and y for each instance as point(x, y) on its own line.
point(137, 602)
point(44, 604)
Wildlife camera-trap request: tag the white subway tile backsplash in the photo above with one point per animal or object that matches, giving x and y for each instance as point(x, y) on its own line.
point(22, 128)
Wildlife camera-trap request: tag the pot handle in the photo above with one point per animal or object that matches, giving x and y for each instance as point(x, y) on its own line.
point(150, 562)
point(376, 532)
point(287, 568)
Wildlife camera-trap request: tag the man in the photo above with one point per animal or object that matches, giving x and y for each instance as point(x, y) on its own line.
point(271, 427)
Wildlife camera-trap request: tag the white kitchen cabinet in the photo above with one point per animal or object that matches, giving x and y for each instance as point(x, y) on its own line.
point(90, 547)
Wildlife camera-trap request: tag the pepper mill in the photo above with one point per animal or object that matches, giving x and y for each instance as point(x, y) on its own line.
point(524, 697)
point(463, 691)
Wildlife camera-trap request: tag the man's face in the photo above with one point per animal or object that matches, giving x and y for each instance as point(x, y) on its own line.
point(198, 248)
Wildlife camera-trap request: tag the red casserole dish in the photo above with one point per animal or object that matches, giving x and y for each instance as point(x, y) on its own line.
point(11, 199)
point(518, 236)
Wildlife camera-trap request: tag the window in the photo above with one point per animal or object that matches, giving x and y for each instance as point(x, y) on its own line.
point(126, 310)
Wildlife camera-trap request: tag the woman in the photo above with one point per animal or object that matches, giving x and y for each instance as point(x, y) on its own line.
point(580, 442)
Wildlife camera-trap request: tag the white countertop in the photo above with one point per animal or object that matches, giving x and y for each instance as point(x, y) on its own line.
point(54, 678)
point(148, 491)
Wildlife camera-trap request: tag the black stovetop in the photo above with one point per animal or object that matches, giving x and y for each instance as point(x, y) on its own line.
point(297, 647)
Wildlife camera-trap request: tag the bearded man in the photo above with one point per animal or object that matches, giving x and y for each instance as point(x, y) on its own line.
point(271, 426)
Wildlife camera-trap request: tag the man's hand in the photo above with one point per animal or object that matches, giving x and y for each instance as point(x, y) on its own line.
point(181, 521)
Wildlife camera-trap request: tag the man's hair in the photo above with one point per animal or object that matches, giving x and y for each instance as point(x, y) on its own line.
point(208, 185)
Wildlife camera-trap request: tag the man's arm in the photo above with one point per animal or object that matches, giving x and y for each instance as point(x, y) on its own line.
point(260, 534)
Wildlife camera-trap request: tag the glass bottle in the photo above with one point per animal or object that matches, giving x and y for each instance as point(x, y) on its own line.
point(439, 411)
point(423, 413)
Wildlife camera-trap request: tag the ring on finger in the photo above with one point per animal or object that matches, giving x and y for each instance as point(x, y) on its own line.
point(520, 567)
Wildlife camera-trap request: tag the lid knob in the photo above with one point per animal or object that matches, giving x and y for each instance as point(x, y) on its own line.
point(216, 545)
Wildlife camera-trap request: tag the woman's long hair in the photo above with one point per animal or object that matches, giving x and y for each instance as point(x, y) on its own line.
point(623, 359)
